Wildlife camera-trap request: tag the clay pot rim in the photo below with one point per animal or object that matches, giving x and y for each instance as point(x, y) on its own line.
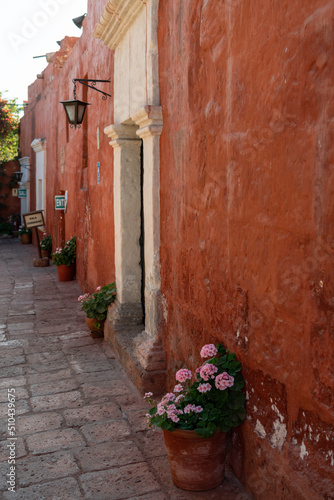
point(185, 434)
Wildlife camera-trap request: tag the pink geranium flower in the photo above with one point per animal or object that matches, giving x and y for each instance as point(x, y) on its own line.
point(168, 397)
point(208, 351)
point(183, 375)
point(204, 387)
point(207, 371)
point(224, 380)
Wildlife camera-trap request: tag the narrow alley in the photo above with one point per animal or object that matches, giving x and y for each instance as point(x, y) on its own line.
point(79, 428)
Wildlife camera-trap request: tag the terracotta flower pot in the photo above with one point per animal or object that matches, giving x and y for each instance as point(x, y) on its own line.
point(96, 331)
point(46, 253)
point(25, 239)
point(196, 463)
point(66, 273)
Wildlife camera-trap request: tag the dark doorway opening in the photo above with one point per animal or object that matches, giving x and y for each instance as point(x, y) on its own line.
point(142, 236)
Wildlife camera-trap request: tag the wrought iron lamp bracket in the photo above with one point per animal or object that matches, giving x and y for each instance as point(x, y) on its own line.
point(84, 81)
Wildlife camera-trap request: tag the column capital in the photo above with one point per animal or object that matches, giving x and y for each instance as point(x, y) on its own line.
point(38, 145)
point(120, 134)
point(25, 161)
point(149, 120)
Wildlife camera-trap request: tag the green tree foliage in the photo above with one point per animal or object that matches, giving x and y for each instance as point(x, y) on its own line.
point(9, 129)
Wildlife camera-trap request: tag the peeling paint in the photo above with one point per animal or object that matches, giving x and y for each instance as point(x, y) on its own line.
point(303, 451)
point(260, 430)
point(330, 455)
point(275, 409)
point(279, 435)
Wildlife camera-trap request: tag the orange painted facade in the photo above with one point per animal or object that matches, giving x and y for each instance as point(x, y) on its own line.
point(72, 154)
point(9, 204)
point(246, 211)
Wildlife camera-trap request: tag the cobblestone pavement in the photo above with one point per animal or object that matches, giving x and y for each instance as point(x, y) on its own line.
point(80, 424)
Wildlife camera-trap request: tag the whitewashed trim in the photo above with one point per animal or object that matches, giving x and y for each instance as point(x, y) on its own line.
point(117, 18)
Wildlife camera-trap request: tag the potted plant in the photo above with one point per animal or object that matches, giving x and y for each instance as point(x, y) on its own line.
point(46, 245)
point(25, 235)
point(197, 416)
point(64, 259)
point(96, 305)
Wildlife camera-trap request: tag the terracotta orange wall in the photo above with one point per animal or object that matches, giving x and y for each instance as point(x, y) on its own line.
point(247, 239)
point(89, 214)
point(12, 202)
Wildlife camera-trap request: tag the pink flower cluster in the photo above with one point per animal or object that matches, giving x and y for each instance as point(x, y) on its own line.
point(168, 397)
point(204, 387)
point(224, 380)
point(172, 413)
point(171, 410)
point(98, 288)
point(208, 351)
point(207, 371)
point(178, 388)
point(83, 297)
point(183, 375)
point(189, 408)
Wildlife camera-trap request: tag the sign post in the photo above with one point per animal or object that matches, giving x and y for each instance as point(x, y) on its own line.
point(34, 220)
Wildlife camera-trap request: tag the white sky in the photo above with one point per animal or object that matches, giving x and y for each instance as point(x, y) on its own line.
point(31, 28)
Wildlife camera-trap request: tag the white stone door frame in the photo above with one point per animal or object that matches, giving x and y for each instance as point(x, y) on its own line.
point(25, 183)
point(130, 28)
point(39, 146)
point(124, 140)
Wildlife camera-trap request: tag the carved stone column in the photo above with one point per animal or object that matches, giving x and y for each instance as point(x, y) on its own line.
point(148, 345)
point(127, 309)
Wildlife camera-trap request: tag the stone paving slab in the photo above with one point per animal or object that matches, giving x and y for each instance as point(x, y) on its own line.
point(80, 424)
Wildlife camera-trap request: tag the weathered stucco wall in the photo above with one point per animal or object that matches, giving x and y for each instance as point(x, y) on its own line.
point(247, 239)
point(72, 155)
point(9, 205)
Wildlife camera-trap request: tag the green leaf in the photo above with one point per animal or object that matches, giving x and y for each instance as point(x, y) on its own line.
point(166, 426)
point(234, 366)
point(236, 400)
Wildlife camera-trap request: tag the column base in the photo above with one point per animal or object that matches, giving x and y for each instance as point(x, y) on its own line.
point(145, 364)
point(149, 352)
point(125, 314)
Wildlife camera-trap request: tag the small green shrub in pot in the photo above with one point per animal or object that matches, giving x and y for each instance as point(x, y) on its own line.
point(96, 304)
point(24, 230)
point(46, 242)
point(65, 256)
